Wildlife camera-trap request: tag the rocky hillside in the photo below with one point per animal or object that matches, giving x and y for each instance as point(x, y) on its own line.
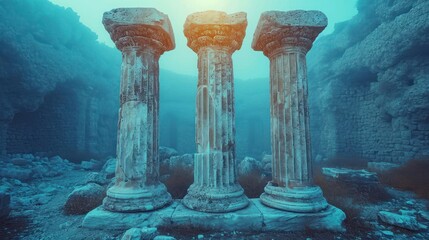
point(369, 84)
point(58, 84)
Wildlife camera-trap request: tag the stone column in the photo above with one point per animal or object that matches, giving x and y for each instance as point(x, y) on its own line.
point(214, 36)
point(285, 38)
point(142, 35)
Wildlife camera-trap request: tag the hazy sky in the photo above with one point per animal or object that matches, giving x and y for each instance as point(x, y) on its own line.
point(183, 59)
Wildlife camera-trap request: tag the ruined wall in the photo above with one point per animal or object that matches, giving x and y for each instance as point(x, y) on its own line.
point(369, 84)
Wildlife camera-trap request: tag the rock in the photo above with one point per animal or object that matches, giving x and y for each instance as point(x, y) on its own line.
point(200, 236)
point(109, 168)
point(407, 222)
point(382, 166)
point(388, 233)
point(350, 175)
point(410, 202)
point(185, 161)
point(424, 214)
point(166, 153)
point(164, 237)
point(91, 165)
point(139, 233)
point(22, 174)
point(95, 177)
point(21, 161)
point(84, 199)
point(267, 159)
point(408, 212)
point(249, 165)
point(149, 232)
point(4, 204)
point(132, 234)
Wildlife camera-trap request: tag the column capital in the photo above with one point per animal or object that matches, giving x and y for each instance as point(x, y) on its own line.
point(278, 30)
point(215, 29)
point(139, 27)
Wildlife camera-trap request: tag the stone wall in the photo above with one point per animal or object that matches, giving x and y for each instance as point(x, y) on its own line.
point(369, 88)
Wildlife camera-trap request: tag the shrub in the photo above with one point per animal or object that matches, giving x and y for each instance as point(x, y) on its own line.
point(179, 181)
point(253, 183)
point(412, 176)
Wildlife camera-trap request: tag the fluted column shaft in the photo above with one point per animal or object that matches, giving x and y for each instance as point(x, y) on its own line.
point(215, 120)
point(214, 36)
point(142, 35)
point(285, 38)
point(289, 118)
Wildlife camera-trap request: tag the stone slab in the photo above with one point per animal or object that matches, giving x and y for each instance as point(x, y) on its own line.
point(247, 219)
point(255, 218)
point(103, 219)
point(278, 220)
point(351, 175)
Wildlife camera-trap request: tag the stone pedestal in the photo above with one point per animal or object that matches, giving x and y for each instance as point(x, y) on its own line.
point(142, 35)
point(214, 36)
point(285, 38)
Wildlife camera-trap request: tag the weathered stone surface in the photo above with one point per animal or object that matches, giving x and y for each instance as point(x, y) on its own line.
point(91, 165)
point(331, 218)
point(403, 221)
point(95, 177)
point(166, 153)
point(256, 217)
point(99, 218)
point(186, 161)
point(142, 34)
point(285, 38)
point(248, 165)
point(296, 28)
point(22, 174)
point(215, 29)
point(351, 175)
point(4, 204)
point(127, 26)
point(139, 234)
point(164, 237)
point(382, 166)
point(84, 199)
point(367, 99)
point(109, 168)
point(214, 36)
point(249, 218)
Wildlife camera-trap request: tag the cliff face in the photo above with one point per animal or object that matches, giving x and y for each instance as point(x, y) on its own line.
point(369, 84)
point(58, 84)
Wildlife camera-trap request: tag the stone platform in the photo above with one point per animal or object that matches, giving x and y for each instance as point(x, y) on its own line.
point(254, 218)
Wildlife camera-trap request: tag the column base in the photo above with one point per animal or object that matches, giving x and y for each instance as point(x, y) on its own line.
point(120, 199)
point(217, 200)
point(307, 199)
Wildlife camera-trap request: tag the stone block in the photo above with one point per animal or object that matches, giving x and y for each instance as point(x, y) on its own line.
point(249, 218)
point(102, 219)
point(278, 220)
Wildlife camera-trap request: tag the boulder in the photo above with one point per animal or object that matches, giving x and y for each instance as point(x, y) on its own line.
point(350, 175)
point(95, 177)
point(85, 198)
point(402, 221)
point(109, 168)
point(139, 233)
point(21, 161)
point(185, 161)
point(4, 204)
point(91, 165)
point(249, 165)
point(16, 172)
point(166, 153)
